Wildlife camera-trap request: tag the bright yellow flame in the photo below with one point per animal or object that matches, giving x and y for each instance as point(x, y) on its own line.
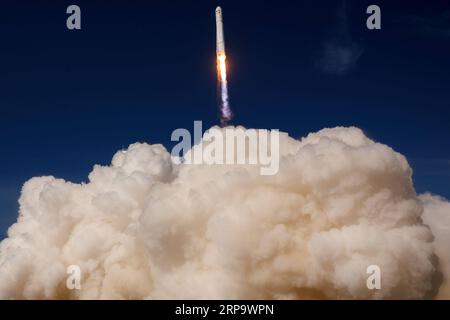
point(221, 62)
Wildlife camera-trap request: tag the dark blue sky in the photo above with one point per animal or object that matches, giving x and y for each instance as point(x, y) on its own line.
point(140, 69)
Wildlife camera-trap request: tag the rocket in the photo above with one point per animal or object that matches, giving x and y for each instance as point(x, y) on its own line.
point(226, 113)
point(220, 44)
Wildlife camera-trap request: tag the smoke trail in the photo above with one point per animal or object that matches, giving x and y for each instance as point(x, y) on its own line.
point(225, 110)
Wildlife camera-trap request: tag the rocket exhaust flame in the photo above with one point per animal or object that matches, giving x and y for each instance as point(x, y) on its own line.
point(225, 110)
point(221, 61)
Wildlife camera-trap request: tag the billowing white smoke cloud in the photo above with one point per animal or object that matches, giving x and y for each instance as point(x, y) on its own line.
point(437, 216)
point(145, 228)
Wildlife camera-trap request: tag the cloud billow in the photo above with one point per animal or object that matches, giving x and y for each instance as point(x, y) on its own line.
point(147, 228)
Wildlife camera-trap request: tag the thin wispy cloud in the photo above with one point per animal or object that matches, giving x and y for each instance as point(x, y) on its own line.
point(340, 53)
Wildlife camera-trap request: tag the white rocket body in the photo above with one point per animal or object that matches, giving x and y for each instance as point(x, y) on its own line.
point(220, 46)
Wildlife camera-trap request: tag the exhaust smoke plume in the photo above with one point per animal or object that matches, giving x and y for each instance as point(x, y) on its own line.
point(146, 228)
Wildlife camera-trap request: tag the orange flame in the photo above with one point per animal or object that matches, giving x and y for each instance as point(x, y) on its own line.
point(221, 63)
